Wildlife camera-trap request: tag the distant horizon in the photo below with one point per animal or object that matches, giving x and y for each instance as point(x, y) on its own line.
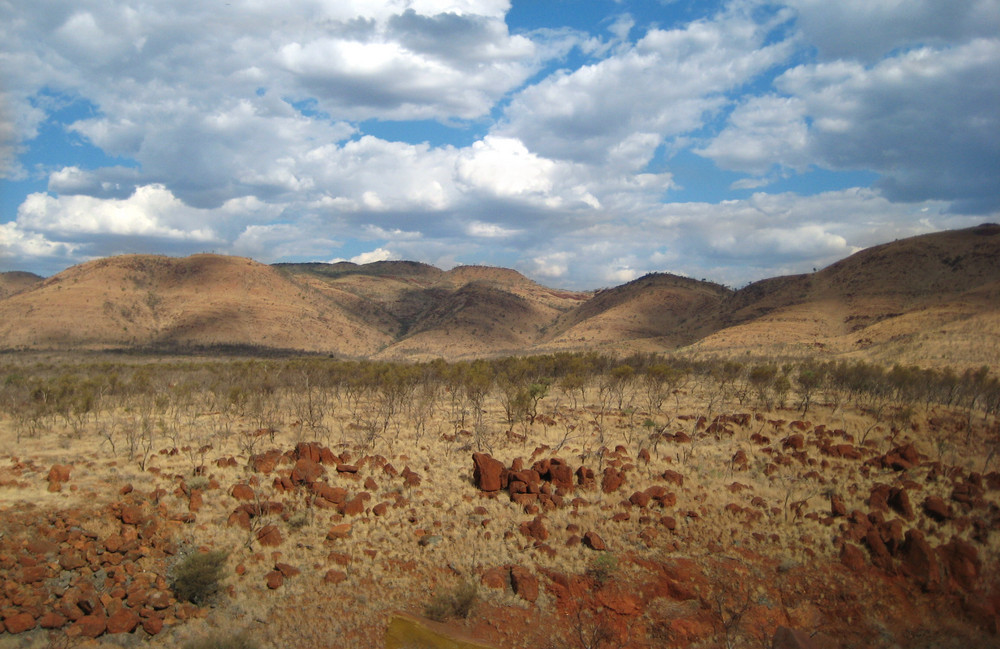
point(580, 143)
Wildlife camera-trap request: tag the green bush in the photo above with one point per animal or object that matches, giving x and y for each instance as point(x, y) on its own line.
point(196, 577)
point(222, 641)
point(603, 567)
point(456, 602)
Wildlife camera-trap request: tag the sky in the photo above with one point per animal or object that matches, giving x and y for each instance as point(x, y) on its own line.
point(583, 143)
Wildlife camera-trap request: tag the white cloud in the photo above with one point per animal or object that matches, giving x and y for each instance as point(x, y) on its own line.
point(666, 85)
point(379, 254)
point(866, 30)
point(925, 119)
point(482, 230)
point(150, 211)
point(504, 167)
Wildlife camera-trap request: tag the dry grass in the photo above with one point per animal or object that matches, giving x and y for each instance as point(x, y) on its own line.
point(388, 568)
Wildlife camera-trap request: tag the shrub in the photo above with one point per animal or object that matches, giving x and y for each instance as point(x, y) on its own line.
point(456, 602)
point(196, 577)
point(603, 567)
point(222, 641)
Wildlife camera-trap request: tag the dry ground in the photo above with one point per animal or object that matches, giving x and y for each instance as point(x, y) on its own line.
point(748, 543)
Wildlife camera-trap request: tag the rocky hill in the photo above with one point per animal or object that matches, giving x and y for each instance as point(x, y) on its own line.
point(930, 300)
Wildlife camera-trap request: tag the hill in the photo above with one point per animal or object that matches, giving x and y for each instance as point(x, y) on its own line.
point(17, 281)
point(930, 300)
point(144, 301)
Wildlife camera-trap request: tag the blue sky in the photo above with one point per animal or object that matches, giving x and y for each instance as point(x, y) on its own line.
point(582, 143)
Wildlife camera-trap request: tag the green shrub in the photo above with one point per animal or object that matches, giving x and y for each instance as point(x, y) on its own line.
point(196, 577)
point(222, 641)
point(456, 602)
point(603, 567)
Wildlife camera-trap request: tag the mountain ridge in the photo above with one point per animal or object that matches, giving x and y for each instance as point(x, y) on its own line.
point(930, 300)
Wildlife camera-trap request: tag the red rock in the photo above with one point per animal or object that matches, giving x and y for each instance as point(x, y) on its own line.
point(274, 579)
point(837, 506)
point(560, 474)
point(673, 477)
point(347, 468)
point(495, 578)
point(52, 620)
point(937, 508)
point(852, 557)
point(19, 622)
point(265, 462)
point(524, 584)
point(535, 529)
point(269, 535)
point(793, 442)
point(60, 473)
point(585, 477)
point(306, 471)
point(487, 472)
point(195, 501)
point(962, 561)
point(341, 531)
point(90, 626)
point(287, 570)
point(353, 507)
point(594, 542)
point(900, 502)
point(126, 490)
point(132, 515)
point(71, 560)
point(613, 479)
point(124, 621)
point(334, 576)
point(639, 499)
point(919, 561)
point(34, 574)
point(152, 625)
point(410, 478)
point(380, 509)
point(309, 451)
point(158, 599)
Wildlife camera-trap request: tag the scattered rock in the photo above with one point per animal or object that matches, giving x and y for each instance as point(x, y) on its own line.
point(524, 584)
point(487, 472)
point(269, 535)
point(274, 579)
point(594, 542)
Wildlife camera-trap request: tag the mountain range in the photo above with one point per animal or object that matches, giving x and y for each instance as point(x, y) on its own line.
point(930, 300)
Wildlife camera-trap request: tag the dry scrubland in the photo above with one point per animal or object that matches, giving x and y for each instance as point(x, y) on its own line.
point(717, 501)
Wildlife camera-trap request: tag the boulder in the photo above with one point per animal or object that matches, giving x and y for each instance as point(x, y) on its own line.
point(274, 579)
point(269, 535)
point(487, 472)
point(19, 622)
point(612, 480)
point(306, 471)
point(593, 541)
point(937, 508)
point(524, 584)
point(125, 620)
point(918, 561)
point(334, 576)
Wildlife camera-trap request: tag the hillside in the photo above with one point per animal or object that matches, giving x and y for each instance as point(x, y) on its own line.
point(159, 302)
point(17, 281)
point(929, 300)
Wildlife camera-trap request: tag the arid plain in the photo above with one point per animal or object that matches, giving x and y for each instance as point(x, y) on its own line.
point(808, 461)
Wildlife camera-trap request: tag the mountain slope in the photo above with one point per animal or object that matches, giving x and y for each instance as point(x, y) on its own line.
point(151, 301)
point(906, 301)
point(929, 300)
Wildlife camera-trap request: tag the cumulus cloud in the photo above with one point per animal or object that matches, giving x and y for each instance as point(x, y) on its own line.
point(925, 119)
point(264, 130)
point(866, 31)
point(667, 84)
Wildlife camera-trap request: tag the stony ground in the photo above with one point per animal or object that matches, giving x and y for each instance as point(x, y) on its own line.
point(580, 529)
